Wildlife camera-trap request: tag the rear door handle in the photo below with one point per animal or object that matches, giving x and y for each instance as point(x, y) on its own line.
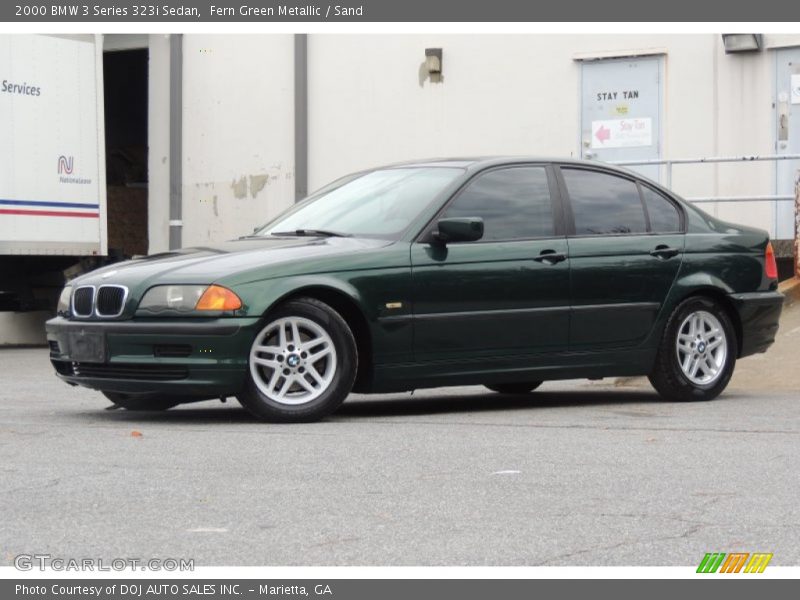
point(550, 257)
point(664, 252)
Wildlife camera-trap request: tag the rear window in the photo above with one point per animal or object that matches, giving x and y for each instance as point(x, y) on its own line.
point(664, 215)
point(604, 204)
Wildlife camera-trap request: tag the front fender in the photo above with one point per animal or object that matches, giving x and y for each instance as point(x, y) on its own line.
point(261, 296)
point(382, 296)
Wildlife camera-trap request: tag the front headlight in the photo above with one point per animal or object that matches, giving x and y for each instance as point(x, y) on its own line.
point(189, 298)
point(180, 298)
point(62, 309)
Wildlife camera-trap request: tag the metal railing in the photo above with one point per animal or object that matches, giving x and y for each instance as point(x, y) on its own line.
point(669, 163)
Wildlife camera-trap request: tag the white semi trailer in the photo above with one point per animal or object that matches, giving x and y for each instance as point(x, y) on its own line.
point(52, 173)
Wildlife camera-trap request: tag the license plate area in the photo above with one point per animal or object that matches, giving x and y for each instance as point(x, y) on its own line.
point(86, 346)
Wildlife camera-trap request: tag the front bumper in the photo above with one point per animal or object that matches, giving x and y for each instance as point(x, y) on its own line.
point(185, 357)
point(759, 315)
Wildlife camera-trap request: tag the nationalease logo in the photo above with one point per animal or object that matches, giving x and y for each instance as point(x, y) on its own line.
point(65, 165)
point(736, 562)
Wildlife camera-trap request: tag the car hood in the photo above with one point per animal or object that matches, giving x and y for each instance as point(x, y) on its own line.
point(236, 258)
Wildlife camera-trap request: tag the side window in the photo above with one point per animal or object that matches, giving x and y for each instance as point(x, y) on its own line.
point(603, 204)
point(514, 203)
point(664, 216)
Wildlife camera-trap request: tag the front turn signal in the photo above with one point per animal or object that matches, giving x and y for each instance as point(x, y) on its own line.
point(217, 297)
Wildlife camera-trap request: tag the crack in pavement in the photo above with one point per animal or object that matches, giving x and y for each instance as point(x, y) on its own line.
point(560, 557)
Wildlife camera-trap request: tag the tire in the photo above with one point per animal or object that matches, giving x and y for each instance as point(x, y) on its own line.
point(305, 375)
point(522, 387)
point(714, 353)
point(141, 401)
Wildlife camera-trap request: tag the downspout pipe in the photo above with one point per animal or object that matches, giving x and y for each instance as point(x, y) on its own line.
point(175, 141)
point(300, 116)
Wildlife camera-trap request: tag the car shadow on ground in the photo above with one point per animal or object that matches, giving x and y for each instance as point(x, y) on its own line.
point(449, 403)
point(396, 405)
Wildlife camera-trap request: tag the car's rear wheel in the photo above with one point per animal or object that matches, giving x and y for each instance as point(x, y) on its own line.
point(697, 354)
point(302, 363)
point(523, 387)
point(141, 401)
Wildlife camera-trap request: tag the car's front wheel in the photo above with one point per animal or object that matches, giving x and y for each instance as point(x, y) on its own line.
point(141, 401)
point(697, 355)
point(302, 363)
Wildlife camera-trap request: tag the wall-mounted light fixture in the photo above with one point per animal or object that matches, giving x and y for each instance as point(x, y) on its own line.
point(433, 61)
point(742, 42)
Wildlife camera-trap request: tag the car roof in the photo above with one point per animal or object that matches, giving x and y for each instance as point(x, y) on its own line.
point(474, 163)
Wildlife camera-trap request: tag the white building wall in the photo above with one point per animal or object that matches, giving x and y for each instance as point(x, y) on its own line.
point(510, 94)
point(370, 103)
point(520, 94)
point(238, 127)
point(745, 125)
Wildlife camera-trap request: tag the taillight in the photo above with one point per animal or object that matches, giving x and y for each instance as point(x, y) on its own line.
point(770, 266)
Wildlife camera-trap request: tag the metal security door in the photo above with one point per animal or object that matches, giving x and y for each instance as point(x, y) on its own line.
point(621, 111)
point(787, 127)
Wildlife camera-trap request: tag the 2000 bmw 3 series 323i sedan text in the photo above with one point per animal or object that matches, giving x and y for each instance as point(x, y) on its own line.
point(500, 272)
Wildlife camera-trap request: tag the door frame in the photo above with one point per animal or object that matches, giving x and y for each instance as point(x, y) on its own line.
point(661, 56)
point(775, 183)
point(656, 307)
point(425, 238)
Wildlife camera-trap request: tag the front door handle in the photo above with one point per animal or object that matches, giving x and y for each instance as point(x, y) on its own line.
point(664, 252)
point(550, 257)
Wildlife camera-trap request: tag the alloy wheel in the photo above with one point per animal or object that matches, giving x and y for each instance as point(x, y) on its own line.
point(701, 347)
point(293, 360)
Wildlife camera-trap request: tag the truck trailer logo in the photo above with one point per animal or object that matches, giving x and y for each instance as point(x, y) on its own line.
point(734, 562)
point(65, 165)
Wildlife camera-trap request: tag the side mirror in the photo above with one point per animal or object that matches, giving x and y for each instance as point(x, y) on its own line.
point(461, 229)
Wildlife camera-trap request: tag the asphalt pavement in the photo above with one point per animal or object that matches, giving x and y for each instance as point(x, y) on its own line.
point(573, 474)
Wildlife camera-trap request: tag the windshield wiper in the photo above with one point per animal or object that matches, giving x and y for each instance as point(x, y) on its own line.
point(312, 233)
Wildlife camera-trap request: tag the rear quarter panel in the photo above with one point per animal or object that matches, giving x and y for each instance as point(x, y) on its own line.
point(726, 256)
point(719, 259)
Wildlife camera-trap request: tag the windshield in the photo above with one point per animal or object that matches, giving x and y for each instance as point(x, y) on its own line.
point(380, 204)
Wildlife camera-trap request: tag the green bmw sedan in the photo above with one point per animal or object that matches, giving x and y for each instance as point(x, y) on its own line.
point(503, 272)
